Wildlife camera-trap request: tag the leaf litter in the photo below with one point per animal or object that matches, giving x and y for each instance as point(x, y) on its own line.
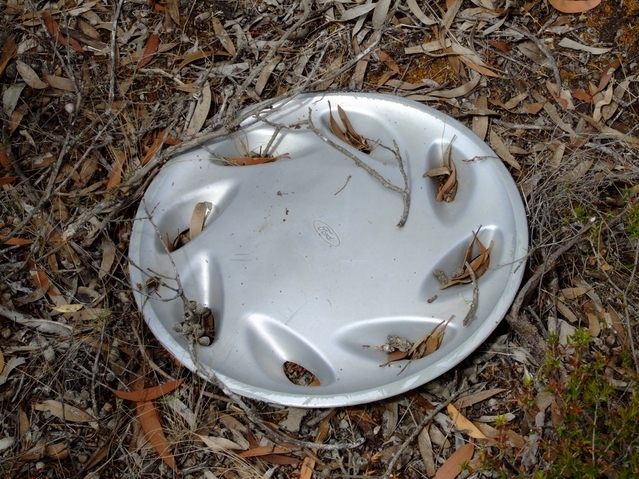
point(88, 127)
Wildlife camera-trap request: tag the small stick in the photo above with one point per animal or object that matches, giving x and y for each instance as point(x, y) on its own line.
point(114, 33)
point(473, 303)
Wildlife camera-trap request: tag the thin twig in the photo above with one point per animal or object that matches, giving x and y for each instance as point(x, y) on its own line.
point(114, 34)
point(473, 303)
point(406, 190)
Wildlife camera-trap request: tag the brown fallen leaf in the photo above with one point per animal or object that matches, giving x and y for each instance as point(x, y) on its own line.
point(479, 264)
point(173, 6)
point(453, 465)
point(150, 421)
point(155, 146)
point(116, 174)
point(149, 394)
point(16, 241)
point(425, 346)
point(201, 110)
point(198, 218)
point(446, 176)
point(463, 424)
point(4, 158)
point(65, 412)
point(502, 150)
point(53, 451)
point(150, 50)
point(191, 57)
point(54, 30)
point(29, 75)
point(223, 36)
point(574, 6)
point(430, 343)
point(8, 50)
point(220, 443)
point(470, 399)
point(348, 135)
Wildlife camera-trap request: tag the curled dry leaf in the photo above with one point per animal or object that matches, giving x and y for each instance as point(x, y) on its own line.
point(349, 135)
point(157, 144)
point(502, 150)
point(446, 176)
point(116, 174)
point(479, 264)
point(198, 218)
point(401, 348)
point(196, 225)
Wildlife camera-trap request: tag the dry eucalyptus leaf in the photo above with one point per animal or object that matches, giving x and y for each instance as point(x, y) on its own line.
point(421, 16)
point(265, 74)
point(201, 111)
point(64, 411)
point(430, 343)
point(426, 451)
point(480, 122)
point(574, 6)
point(10, 366)
point(479, 264)
point(348, 135)
point(463, 424)
point(223, 37)
point(220, 444)
point(198, 218)
point(452, 467)
point(502, 150)
point(446, 176)
point(30, 76)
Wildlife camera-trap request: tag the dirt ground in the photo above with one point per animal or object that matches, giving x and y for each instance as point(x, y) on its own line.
point(98, 95)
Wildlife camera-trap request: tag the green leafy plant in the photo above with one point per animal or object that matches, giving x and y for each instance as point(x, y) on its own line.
point(597, 412)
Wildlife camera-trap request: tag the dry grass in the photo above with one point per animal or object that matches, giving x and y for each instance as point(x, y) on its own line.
point(78, 153)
